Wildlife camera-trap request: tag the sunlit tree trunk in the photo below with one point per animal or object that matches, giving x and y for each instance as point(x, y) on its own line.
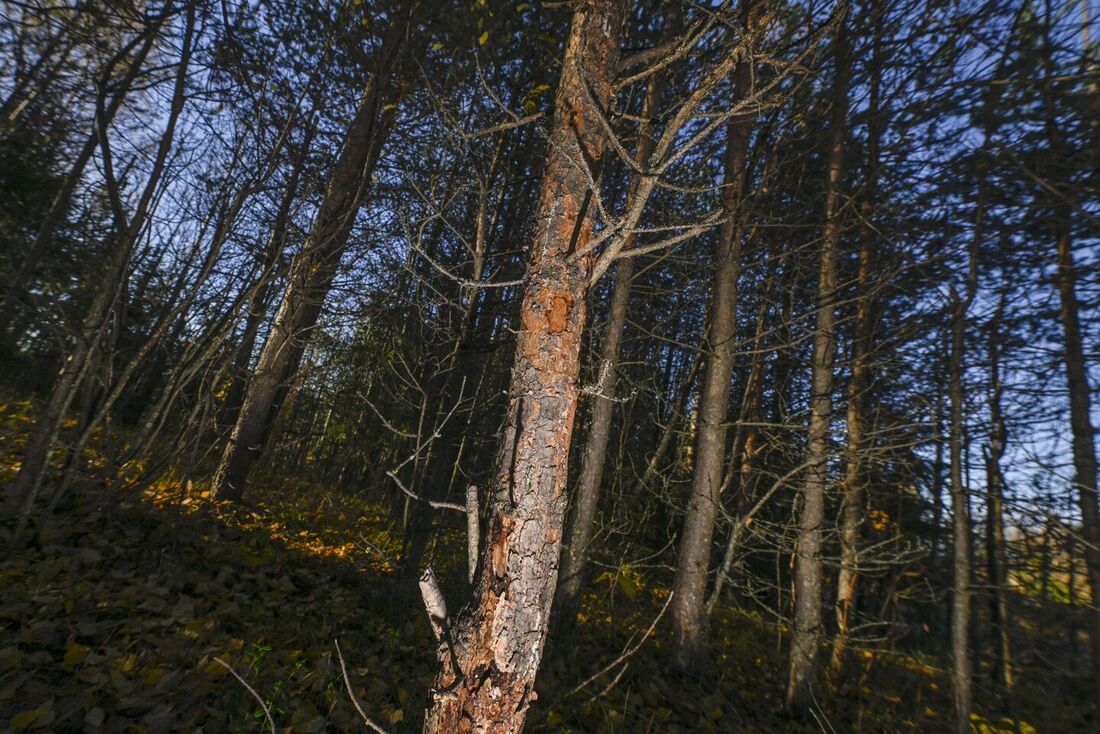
point(489, 655)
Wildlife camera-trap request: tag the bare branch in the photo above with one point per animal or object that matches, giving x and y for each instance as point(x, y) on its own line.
point(371, 724)
point(250, 689)
point(434, 603)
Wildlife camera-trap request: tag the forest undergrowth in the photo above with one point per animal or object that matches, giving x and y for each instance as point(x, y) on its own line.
point(129, 617)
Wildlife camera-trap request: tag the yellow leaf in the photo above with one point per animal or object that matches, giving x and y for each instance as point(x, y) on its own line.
point(483, 38)
point(10, 658)
point(437, 46)
point(152, 676)
point(75, 654)
point(397, 716)
point(628, 587)
point(214, 669)
point(24, 719)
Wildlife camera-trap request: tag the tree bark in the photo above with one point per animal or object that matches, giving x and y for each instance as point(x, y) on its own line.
point(688, 610)
point(806, 635)
point(314, 268)
point(490, 655)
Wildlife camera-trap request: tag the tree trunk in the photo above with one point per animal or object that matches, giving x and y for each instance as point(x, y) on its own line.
point(490, 655)
point(314, 268)
point(23, 490)
point(852, 518)
point(1084, 447)
point(264, 288)
point(1084, 444)
point(59, 203)
point(960, 524)
point(858, 382)
point(806, 635)
point(587, 494)
point(996, 557)
point(961, 664)
point(688, 609)
point(744, 459)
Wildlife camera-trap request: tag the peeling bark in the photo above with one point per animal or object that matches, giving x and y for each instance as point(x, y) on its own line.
point(488, 666)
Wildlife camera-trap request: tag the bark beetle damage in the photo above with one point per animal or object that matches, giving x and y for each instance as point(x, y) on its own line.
point(488, 684)
point(557, 316)
point(499, 548)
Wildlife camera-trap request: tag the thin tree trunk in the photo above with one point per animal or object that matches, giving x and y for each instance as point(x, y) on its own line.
point(938, 459)
point(960, 523)
point(852, 518)
point(743, 460)
point(490, 655)
point(806, 634)
point(59, 203)
point(315, 267)
point(1080, 396)
point(262, 292)
point(1084, 447)
point(36, 456)
point(688, 609)
point(587, 493)
point(996, 557)
point(858, 382)
point(961, 663)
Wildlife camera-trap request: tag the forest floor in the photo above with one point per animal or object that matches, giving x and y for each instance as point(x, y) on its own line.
point(116, 618)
